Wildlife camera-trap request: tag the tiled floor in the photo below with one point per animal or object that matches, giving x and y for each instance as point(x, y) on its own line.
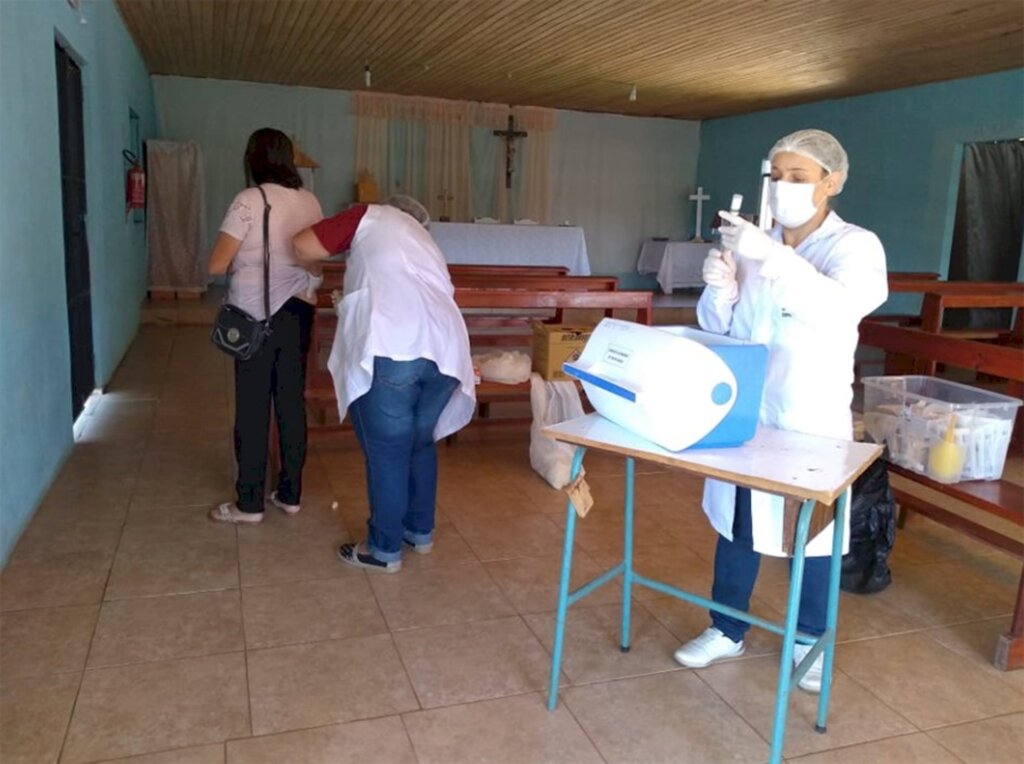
point(133, 627)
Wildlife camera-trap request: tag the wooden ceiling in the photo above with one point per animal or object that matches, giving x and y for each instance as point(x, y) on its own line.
point(688, 58)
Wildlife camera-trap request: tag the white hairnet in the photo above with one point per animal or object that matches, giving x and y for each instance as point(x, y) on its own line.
point(409, 206)
point(820, 146)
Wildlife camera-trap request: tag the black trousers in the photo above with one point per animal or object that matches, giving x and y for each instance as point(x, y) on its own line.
point(278, 372)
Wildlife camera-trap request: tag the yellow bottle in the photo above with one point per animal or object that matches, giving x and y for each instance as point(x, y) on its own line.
point(946, 458)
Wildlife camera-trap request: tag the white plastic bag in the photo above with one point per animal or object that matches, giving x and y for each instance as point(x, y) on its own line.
point(552, 402)
point(507, 367)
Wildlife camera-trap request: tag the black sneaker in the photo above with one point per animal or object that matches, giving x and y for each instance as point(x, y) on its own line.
point(350, 555)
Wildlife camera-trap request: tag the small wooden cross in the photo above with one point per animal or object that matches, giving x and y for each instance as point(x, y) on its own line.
point(700, 197)
point(509, 136)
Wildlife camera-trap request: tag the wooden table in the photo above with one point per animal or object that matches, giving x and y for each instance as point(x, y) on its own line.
point(811, 469)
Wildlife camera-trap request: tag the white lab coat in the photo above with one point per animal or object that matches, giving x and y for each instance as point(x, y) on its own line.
point(805, 305)
point(399, 303)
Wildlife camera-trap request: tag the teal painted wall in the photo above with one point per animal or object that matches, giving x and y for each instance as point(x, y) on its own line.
point(905, 150)
point(35, 409)
point(621, 178)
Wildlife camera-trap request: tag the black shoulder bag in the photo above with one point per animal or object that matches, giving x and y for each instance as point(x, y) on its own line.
point(236, 332)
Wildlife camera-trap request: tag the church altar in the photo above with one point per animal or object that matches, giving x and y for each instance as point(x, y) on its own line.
point(496, 244)
point(677, 263)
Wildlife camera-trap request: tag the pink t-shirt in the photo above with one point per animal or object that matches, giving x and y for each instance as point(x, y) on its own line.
point(291, 211)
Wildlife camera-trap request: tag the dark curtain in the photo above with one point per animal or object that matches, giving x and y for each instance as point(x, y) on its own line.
point(989, 224)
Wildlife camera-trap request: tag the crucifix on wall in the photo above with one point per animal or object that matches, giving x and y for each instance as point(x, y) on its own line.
point(509, 135)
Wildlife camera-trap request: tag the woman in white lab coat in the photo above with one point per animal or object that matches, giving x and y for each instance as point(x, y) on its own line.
point(801, 289)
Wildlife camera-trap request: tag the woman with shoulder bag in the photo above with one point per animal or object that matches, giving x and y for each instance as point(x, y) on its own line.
point(254, 247)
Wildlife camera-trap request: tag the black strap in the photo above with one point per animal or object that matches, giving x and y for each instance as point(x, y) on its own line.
point(266, 256)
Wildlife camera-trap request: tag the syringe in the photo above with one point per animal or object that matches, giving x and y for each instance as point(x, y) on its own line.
point(764, 210)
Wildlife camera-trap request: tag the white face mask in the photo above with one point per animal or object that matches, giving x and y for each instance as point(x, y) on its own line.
point(792, 204)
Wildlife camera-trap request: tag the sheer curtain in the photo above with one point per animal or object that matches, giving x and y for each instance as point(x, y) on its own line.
point(445, 154)
point(446, 165)
point(176, 217)
point(533, 195)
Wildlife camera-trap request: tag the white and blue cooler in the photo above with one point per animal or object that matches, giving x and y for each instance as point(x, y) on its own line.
point(676, 386)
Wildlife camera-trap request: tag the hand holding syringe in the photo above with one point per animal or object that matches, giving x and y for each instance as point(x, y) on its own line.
point(720, 267)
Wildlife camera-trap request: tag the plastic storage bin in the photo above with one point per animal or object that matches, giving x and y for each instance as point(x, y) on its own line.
point(675, 386)
point(911, 414)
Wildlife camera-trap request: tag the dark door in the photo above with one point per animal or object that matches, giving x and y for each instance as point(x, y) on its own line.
point(76, 246)
point(989, 229)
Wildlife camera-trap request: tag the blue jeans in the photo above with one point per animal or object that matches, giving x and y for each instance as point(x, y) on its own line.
point(394, 422)
point(736, 566)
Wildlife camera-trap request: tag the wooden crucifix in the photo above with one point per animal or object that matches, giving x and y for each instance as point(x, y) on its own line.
point(509, 135)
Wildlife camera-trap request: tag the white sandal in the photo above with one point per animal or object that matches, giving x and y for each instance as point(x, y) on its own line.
point(290, 509)
point(229, 513)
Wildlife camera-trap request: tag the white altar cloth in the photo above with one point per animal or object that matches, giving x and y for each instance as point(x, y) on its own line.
point(490, 244)
point(677, 263)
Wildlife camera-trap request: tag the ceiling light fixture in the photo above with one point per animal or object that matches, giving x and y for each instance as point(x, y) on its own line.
point(632, 93)
point(367, 76)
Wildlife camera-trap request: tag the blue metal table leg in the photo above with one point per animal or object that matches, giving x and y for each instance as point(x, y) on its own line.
point(627, 557)
point(563, 586)
point(796, 581)
point(832, 614)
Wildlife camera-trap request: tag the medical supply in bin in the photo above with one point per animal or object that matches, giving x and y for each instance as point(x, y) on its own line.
point(676, 386)
point(914, 415)
point(946, 458)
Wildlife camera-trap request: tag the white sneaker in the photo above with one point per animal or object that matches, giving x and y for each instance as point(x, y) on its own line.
point(290, 509)
point(811, 681)
point(709, 647)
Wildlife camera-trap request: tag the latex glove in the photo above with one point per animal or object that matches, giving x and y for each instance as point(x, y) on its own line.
point(719, 269)
point(746, 239)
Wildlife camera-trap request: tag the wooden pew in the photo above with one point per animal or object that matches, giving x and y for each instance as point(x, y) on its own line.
point(334, 271)
point(496, 318)
point(1000, 498)
point(935, 305)
point(939, 296)
point(926, 285)
point(506, 326)
point(536, 283)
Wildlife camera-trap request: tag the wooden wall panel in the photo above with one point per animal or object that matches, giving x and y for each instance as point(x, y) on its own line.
point(688, 58)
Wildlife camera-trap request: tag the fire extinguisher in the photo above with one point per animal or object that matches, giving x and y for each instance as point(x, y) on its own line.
point(135, 184)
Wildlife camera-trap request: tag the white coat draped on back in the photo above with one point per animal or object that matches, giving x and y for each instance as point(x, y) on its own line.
point(399, 303)
point(805, 305)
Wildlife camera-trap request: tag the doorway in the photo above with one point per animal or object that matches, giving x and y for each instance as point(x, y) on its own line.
point(76, 245)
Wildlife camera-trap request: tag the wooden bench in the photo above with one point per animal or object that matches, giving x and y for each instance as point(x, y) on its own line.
point(932, 286)
point(935, 305)
point(999, 498)
point(505, 326)
point(334, 271)
point(913, 282)
point(913, 276)
point(495, 317)
point(536, 283)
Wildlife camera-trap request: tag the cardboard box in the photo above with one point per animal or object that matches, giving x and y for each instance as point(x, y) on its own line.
point(554, 344)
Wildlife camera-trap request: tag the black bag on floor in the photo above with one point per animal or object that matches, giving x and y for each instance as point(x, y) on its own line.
point(872, 531)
